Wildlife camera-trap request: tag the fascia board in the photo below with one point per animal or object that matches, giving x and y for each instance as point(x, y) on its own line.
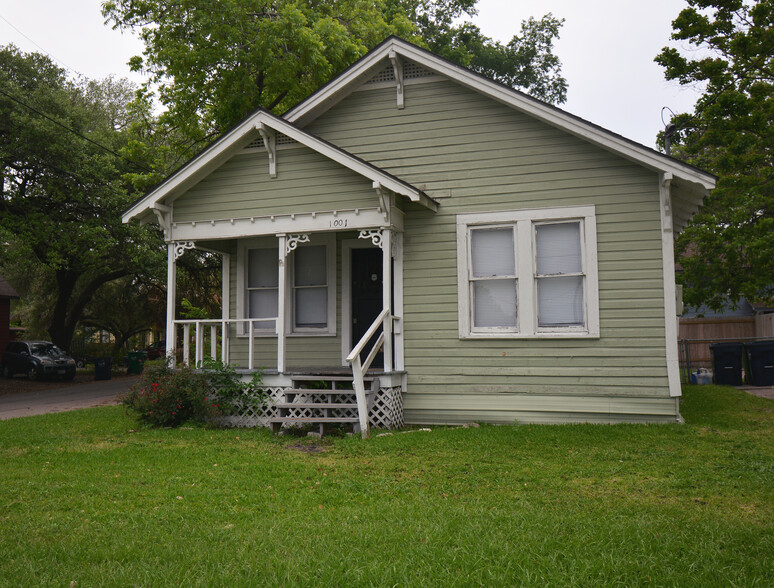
point(555, 117)
point(194, 170)
point(341, 157)
point(224, 148)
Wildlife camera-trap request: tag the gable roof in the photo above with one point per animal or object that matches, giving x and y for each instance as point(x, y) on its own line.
point(230, 143)
point(6, 290)
point(358, 73)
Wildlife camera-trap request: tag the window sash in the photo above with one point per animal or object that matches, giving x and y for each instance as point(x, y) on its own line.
point(488, 276)
point(307, 279)
point(259, 280)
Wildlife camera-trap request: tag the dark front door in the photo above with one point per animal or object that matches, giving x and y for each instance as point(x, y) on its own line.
point(366, 297)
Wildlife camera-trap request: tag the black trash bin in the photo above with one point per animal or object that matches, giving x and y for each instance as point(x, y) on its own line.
point(727, 363)
point(102, 366)
point(760, 362)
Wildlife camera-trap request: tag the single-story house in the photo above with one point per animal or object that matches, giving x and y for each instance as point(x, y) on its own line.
point(492, 257)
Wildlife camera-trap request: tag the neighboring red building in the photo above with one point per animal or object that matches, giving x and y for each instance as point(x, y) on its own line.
point(7, 293)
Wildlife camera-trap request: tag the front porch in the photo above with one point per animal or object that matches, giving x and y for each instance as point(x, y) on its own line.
point(334, 296)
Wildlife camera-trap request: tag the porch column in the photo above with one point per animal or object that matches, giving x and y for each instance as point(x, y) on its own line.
point(397, 278)
point(225, 307)
point(281, 293)
point(387, 296)
point(171, 290)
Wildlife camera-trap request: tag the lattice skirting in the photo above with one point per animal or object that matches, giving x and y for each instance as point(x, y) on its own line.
point(385, 409)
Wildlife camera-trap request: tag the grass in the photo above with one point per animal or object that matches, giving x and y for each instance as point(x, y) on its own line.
point(86, 498)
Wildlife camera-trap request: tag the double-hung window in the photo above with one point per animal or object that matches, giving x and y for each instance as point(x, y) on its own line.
point(528, 273)
point(262, 286)
point(310, 308)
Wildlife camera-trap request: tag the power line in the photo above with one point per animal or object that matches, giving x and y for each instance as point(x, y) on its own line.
point(56, 122)
point(10, 24)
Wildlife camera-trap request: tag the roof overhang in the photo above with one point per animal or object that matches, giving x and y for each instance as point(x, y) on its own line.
point(322, 100)
point(233, 141)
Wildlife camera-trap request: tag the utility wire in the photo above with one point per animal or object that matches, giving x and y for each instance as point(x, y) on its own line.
point(10, 24)
point(74, 132)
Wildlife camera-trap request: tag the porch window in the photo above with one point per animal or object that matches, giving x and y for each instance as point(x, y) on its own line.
point(262, 286)
point(529, 273)
point(311, 286)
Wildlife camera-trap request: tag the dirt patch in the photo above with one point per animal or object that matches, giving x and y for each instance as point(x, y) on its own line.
point(307, 447)
point(19, 384)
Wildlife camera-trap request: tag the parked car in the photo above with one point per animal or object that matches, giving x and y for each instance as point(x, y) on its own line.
point(156, 350)
point(37, 359)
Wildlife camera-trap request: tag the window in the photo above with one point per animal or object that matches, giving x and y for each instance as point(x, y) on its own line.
point(262, 286)
point(528, 273)
point(311, 290)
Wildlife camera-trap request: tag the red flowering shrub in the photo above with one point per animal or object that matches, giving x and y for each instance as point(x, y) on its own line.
point(168, 398)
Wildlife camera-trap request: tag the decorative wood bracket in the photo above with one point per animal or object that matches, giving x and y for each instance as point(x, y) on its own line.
point(270, 142)
point(181, 247)
point(374, 234)
point(294, 240)
point(397, 67)
point(666, 200)
point(164, 215)
point(384, 200)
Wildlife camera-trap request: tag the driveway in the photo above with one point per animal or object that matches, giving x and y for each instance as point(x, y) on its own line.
point(62, 398)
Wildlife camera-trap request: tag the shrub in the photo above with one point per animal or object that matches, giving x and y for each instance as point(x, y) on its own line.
point(167, 397)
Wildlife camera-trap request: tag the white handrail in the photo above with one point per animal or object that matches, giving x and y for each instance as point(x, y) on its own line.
point(368, 334)
point(359, 369)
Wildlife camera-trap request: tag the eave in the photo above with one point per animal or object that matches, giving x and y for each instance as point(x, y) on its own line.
point(336, 90)
point(229, 144)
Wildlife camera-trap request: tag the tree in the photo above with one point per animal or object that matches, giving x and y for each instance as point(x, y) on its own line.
point(214, 63)
point(62, 191)
point(126, 307)
point(728, 249)
point(526, 62)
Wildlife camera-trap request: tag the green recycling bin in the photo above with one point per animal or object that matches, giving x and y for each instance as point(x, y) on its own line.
point(137, 361)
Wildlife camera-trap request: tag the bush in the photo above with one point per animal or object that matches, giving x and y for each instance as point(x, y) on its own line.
point(167, 397)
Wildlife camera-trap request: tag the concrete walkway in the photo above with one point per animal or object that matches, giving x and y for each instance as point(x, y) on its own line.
point(102, 393)
point(762, 391)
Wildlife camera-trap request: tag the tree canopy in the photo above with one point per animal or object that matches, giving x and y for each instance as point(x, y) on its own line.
point(212, 63)
point(728, 249)
point(62, 191)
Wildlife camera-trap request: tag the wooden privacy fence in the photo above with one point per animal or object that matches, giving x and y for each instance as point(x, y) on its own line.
point(697, 334)
point(764, 325)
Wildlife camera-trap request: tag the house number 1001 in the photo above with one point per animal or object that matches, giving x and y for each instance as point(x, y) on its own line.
point(339, 222)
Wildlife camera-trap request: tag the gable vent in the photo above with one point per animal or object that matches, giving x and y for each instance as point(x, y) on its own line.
point(386, 75)
point(281, 140)
point(411, 71)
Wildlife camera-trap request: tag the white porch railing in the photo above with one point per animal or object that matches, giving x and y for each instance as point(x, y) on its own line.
point(358, 368)
point(218, 330)
point(214, 324)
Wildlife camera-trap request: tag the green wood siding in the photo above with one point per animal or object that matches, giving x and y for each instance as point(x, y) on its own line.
point(488, 157)
point(306, 182)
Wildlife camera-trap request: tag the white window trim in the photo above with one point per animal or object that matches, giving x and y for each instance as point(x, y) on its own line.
point(327, 239)
point(526, 314)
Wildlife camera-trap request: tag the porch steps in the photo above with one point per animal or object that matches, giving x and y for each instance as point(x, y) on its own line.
point(330, 402)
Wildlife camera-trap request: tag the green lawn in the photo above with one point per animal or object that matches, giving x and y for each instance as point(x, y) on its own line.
point(85, 498)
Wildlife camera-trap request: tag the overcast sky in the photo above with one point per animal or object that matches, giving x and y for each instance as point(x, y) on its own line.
point(606, 48)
